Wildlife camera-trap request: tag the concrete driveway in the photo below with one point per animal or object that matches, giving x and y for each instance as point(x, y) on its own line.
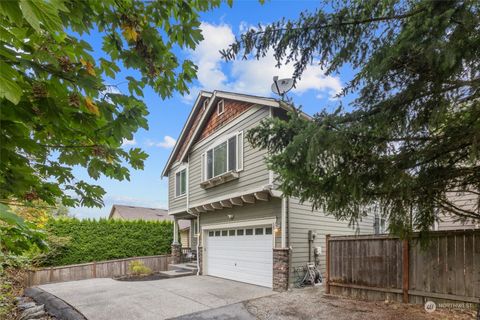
point(105, 299)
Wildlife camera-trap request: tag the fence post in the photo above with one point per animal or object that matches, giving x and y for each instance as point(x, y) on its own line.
point(94, 269)
point(327, 250)
point(405, 270)
point(50, 278)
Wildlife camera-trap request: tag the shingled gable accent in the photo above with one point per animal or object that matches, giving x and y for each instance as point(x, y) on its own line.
point(232, 109)
point(216, 121)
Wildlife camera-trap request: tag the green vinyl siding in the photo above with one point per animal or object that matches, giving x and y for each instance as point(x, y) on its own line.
point(302, 219)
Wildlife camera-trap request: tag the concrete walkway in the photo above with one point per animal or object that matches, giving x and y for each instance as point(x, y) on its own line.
point(102, 299)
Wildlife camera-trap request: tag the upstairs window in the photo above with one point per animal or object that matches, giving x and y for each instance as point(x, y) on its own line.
point(224, 157)
point(220, 107)
point(181, 183)
point(379, 225)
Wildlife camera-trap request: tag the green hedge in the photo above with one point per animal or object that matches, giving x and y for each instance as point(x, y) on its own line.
point(97, 240)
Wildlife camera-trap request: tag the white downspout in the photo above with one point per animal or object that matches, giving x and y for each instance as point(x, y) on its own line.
point(198, 243)
point(283, 227)
point(270, 172)
point(175, 231)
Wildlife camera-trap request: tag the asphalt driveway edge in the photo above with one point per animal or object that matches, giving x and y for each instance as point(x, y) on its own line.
point(54, 305)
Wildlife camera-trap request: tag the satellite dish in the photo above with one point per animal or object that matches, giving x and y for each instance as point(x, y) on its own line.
point(282, 86)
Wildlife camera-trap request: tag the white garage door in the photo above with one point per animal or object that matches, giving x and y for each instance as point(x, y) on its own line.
point(241, 254)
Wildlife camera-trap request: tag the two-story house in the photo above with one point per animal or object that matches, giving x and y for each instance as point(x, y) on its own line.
point(244, 229)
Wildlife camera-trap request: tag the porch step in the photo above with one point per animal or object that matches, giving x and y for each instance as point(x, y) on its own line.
point(177, 273)
point(191, 267)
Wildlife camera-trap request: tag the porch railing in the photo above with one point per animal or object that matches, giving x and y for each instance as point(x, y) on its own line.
point(188, 255)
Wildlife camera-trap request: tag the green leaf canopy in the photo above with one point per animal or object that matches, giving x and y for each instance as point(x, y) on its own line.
point(56, 109)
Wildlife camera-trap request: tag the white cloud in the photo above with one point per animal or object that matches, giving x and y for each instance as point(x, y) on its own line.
point(249, 76)
point(111, 89)
point(207, 55)
point(127, 142)
point(167, 143)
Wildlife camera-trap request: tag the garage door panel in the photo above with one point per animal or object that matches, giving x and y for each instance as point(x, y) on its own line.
point(225, 253)
point(247, 258)
point(239, 275)
point(228, 261)
point(250, 248)
point(240, 269)
point(253, 279)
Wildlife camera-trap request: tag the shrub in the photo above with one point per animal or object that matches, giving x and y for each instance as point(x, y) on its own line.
point(98, 240)
point(137, 268)
point(13, 277)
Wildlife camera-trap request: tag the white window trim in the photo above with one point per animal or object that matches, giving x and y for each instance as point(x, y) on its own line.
point(183, 195)
point(216, 144)
point(223, 106)
point(239, 168)
point(215, 135)
point(381, 230)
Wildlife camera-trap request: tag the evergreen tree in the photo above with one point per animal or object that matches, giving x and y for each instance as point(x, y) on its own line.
point(410, 141)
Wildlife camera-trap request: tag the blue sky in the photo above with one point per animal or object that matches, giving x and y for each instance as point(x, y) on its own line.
point(314, 92)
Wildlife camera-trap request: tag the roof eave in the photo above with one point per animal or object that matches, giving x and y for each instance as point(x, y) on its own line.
point(201, 95)
point(289, 107)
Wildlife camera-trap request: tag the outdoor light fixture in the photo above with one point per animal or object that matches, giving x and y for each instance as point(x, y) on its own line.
point(277, 227)
point(230, 216)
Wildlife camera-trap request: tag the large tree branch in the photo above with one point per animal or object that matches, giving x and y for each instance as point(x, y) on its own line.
point(448, 206)
point(341, 23)
point(72, 146)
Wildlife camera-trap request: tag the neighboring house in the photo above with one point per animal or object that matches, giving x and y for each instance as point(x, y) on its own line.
point(465, 200)
point(245, 229)
point(122, 212)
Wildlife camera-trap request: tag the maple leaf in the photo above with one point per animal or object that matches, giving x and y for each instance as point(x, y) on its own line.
point(92, 107)
point(89, 66)
point(129, 32)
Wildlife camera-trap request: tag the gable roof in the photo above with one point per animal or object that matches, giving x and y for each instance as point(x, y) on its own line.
point(142, 213)
point(186, 127)
point(193, 129)
point(191, 124)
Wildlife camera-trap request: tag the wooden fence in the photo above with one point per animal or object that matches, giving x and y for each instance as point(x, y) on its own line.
point(385, 267)
point(102, 269)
